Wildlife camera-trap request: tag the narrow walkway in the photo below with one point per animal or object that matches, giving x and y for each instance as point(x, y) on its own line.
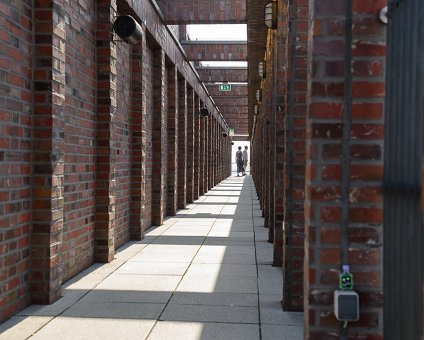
point(205, 274)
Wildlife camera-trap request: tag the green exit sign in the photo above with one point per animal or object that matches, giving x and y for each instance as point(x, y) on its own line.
point(225, 87)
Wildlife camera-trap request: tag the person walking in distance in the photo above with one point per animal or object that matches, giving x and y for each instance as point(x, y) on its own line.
point(239, 161)
point(245, 159)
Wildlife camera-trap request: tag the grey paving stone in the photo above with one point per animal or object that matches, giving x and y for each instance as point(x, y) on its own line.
point(268, 271)
point(282, 332)
point(22, 327)
point(163, 257)
point(153, 268)
point(215, 299)
point(201, 313)
point(63, 328)
point(115, 296)
point(277, 316)
point(166, 330)
point(221, 269)
point(119, 310)
point(139, 283)
point(208, 284)
point(225, 258)
point(270, 286)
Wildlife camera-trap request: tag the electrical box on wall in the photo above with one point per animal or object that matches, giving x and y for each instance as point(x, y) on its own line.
point(346, 305)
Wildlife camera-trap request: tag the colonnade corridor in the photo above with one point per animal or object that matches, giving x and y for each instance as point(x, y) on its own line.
point(204, 274)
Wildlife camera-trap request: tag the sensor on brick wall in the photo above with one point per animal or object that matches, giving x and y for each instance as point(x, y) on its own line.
point(128, 29)
point(346, 301)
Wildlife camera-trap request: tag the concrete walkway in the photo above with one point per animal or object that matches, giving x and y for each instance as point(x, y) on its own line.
point(205, 274)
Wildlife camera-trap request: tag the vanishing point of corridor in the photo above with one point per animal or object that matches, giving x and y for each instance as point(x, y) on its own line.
point(204, 274)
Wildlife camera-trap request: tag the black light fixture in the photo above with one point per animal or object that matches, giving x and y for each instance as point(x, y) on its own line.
point(224, 134)
point(232, 143)
point(256, 110)
point(271, 15)
point(259, 95)
point(128, 29)
point(204, 112)
point(262, 69)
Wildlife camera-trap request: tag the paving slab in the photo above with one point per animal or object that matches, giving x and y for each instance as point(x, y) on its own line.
point(215, 299)
point(210, 284)
point(221, 269)
point(163, 257)
point(283, 332)
point(173, 330)
point(227, 314)
point(153, 268)
point(137, 283)
point(22, 327)
point(64, 328)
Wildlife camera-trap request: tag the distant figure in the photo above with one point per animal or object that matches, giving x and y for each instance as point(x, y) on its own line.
point(245, 159)
point(239, 161)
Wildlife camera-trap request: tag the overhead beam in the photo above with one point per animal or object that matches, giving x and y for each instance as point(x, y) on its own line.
point(228, 101)
point(234, 110)
point(236, 91)
point(215, 50)
point(222, 74)
point(184, 12)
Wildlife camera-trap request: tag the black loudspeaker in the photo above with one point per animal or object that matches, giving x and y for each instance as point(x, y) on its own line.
point(232, 143)
point(128, 29)
point(224, 134)
point(204, 112)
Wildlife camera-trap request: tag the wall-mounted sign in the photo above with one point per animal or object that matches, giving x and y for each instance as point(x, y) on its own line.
point(231, 132)
point(225, 87)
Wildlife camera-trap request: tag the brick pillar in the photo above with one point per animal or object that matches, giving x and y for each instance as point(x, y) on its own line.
point(202, 157)
point(48, 166)
point(330, 170)
point(106, 108)
point(172, 140)
point(159, 138)
point(206, 155)
point(294, 165)
point(182, 143)
point(138, 126)
point(190, 145)
point(196, 189)
point(210, 153)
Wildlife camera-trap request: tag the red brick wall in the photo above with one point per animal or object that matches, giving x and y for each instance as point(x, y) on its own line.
point(80, 145)
point(15, 154)
point(121, 123)
point(148, 78)
point(182, 143)
point(323, 206)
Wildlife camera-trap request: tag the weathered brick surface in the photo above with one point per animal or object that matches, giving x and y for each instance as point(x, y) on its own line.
point(172, 185)
point(323, 205)
point(182, 143)
point(80, 142)
point(196, 148)
point(215, 51)
point(159, 138)
point(182, 12)
point(190, 145)
point(16, 51)
point(48, 166)
point(211, 74)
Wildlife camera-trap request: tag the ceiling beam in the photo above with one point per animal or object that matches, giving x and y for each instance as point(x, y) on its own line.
point(215, 50)
point(222, 74)
point(184, 12)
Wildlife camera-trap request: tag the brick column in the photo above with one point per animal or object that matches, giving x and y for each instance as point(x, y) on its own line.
point(294, 160)
point(172, 140)
point(196, 147)
point(202, 157)
point(48, 166)
point(206, 155)
point(190, 145)
point(159, 138)
point(182, 143)
point(106, 107)
point(329, 209)
point(210, 153)
point(138, 126)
